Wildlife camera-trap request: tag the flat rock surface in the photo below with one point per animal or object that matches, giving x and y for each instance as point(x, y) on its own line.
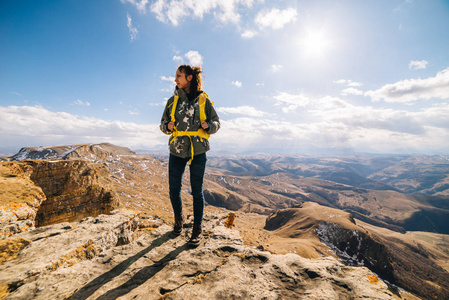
point(155, 265)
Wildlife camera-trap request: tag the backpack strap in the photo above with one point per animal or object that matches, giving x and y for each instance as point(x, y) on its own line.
point(173, 108)
point(202, 105)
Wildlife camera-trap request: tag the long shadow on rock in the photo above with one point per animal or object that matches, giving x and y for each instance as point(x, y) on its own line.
point(90, 288)
point(143, 275)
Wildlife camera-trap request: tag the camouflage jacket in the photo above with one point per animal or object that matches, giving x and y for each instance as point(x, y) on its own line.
point(187, 118)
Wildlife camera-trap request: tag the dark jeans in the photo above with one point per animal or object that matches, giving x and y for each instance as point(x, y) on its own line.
point(176, 168)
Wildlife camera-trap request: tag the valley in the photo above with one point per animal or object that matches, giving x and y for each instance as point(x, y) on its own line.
point(389, 214)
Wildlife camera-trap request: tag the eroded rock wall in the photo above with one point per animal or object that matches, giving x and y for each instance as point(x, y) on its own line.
point(75, 189)
point(38, 193)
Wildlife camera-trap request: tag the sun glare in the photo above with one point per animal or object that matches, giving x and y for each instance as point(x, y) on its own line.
point(315, 44)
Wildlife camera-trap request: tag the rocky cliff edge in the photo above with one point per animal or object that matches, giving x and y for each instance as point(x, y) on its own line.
point(110, 258)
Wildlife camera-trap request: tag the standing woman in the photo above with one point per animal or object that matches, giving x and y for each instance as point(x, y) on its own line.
point(190, 118)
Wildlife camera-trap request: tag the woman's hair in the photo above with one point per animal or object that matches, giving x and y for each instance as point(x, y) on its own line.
point(197, 83)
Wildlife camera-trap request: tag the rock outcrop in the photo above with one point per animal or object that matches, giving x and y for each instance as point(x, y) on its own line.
point(38, 193)
point(75, 189)
point(156, 265)
point(20, 198)
point(61, 246)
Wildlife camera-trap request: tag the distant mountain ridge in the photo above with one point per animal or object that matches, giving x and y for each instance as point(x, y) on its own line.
point(86, 151)
point(264, 190)
point(426, 175)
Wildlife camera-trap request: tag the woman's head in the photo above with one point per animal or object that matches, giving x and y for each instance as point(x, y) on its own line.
point(189, 78)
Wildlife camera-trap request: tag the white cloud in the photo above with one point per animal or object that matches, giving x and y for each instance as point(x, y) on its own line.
point(133, 113)
point(175, 11)
point(351, 91)
point(162, 103)
point(276, 18)
point(132, 30)
point(418, 64)
point(290, 102)
point(31, 126)
point(242, 110)
point(169, 78)
point(237, 83)
point(17, 94)
point(194, 58)
point(410, 90)
point(340, 81)
point(140, 5)
point(276, 68)
point(321, 124)
point(177, 58)
point(348, 82)
point(353, 83)
point(81, 103)
point(248, 34)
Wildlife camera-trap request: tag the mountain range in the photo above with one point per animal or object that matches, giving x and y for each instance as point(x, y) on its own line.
point(388, 214)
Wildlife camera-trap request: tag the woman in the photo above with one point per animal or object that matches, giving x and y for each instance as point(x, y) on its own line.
point(190, 118)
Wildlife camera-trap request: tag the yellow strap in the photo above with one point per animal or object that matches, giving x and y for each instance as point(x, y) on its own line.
point(200, 133)
point(173, 108)
point(202, 105)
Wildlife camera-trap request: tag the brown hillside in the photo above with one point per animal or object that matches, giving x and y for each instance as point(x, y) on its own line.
point(390, 255)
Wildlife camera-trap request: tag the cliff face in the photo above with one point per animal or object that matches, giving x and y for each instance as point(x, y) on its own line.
point(38, 193)
point(20, 198)
point(75, 189)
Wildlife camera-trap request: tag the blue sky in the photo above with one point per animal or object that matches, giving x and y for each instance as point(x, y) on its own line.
point(285, 76)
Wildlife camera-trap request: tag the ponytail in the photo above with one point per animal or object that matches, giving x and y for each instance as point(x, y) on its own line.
point(197, 82)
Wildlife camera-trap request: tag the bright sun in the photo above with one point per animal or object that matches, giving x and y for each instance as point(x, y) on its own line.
point(314, 44)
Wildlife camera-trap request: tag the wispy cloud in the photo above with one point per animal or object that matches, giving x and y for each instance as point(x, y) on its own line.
point(39, 126)
point(275, 18)
point(410, 90)
point(333, 123)
point(418, 64)
point(81, 103)
point(169, 78)
point(177, 58)
point(140, 5)
point(237, 83)
point(175, 11)
point(348, 82)
point(276, 68)
point(248, 34)
point(132, 30)
point(351, 91)
point(242, 110)
point(17, 94)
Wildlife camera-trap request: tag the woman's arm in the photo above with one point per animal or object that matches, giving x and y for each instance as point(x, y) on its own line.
point(213, 121)
point(165, 120)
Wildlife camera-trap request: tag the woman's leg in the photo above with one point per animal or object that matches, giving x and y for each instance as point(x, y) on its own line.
point(176, 167)
point(197, 169)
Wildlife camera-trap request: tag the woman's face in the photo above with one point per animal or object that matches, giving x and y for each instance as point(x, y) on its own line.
point(182, 81)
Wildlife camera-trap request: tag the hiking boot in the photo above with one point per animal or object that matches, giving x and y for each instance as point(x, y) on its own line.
point(196, 236)
point(177, 228)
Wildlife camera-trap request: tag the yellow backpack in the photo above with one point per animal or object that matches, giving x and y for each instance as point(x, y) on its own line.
point(200, 132)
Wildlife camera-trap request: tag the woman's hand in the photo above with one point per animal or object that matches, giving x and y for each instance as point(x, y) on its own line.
point(170, 126)
point(204, 125)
